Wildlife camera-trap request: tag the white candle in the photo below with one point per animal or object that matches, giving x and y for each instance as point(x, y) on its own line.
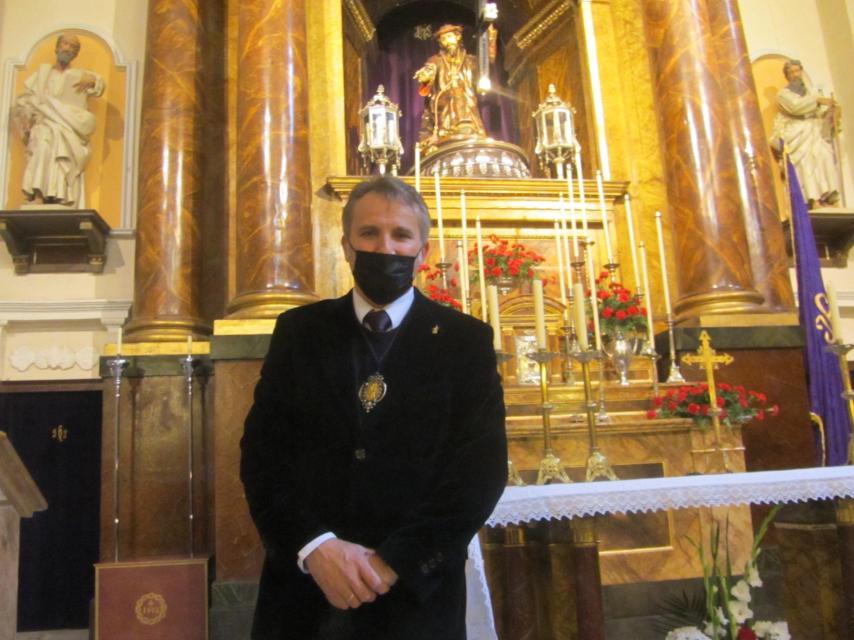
point(540, 314)
point(580, 316)
point(464, 256)
point(581, 199)
point(835, 322)
point(565, 242)
point(494, 316)
point(664, 282)
point(648, 295)
point(439, 216)
point(484, 313)
point(594, 299)
point(418, 167)
point(561, 282)
point(631, 224)
point(463, 299)
point(119, 342)
point(600, 187)
point(571, 215)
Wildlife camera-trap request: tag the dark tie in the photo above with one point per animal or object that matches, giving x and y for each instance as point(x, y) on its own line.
point(377, 321)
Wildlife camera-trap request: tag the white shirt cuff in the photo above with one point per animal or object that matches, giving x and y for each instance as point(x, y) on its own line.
point(303, 553)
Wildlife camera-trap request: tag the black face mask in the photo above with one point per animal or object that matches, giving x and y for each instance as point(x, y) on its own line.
point(383, 277)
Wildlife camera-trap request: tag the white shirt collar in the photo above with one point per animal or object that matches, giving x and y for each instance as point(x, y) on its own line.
point(396, 310)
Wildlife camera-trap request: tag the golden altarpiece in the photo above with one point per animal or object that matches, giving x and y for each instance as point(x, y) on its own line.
point(665, 109)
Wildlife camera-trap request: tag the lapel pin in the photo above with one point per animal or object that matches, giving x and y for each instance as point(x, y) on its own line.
point(435, 329)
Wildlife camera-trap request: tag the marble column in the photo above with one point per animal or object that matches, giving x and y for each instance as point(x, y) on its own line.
point(710, 242)
point(752, 158)
point(274, 269)
point(167, 278)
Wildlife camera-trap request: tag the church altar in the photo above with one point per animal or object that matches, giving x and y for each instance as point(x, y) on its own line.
point(519, 505)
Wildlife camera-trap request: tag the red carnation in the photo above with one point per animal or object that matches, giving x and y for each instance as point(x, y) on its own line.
point(746, 633)
point(775, 410)
point(632, 311)
point(496, 271)
point(658, 401)
point(621, 315)
point(693, 408)
point(651, 414)
point(607, 312)
point(602, 294)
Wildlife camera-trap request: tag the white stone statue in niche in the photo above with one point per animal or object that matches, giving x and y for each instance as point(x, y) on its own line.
point(56, 124)
point(807, 121)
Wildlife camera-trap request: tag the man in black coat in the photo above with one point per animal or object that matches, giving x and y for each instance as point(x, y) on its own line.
point(375, 448)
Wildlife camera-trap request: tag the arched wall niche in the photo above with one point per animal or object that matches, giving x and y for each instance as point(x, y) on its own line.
point(538, 45)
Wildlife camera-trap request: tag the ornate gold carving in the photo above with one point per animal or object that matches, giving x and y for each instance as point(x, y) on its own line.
point(150, 609)
point(532, 30)
point(361, 19)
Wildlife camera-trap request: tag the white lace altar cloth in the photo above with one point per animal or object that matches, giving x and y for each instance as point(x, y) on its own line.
point(555, 501)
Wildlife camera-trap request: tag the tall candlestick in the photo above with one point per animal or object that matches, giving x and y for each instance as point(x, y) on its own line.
point(664, 279)
point(581, 198)
point(439, 215)
point(540, 314)
point(481, 278)
point(580, 316)
point(648, 296)
point(418, 167)
point(835, 322)
point(600, 187)
point(461, 256)
point(631, 224)
point(464, 257)
point(594, 299)
point(119, 342)
point(494, 316)
point(561, 282)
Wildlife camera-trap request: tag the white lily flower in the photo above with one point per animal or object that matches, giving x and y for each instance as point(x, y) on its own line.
point(751, 574)
point(772, 630)
point(687, 633)
point(740, 611)
point(741, 591)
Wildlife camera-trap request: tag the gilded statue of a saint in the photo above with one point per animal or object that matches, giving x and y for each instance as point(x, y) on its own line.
point(447, 81)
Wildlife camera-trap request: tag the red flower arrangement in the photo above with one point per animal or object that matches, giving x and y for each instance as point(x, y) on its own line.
point(737, 404)
point(501, 259)
point(619, 308)
point(437, 293)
